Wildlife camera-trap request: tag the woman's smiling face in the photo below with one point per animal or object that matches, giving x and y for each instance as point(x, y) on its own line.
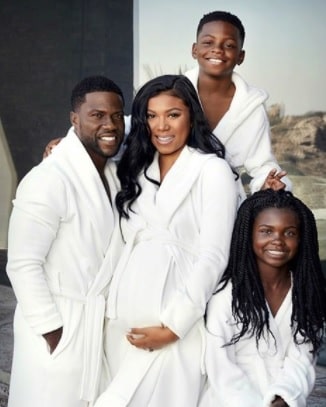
point(169, 122)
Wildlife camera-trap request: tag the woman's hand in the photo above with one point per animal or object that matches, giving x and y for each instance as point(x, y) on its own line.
point(50, 145)
point(151, 338)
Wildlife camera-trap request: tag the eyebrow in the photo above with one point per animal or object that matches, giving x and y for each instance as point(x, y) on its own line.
point(169, 110)
point(231, 37)
point(272, 226)
point(207, 35)
point(94, 109)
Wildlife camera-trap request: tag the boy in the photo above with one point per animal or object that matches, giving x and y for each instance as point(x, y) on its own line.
point(234, 109)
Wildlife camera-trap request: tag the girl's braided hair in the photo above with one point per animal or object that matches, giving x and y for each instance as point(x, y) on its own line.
point(309, 287)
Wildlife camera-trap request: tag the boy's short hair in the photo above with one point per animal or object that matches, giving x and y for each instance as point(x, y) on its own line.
point(222, 16)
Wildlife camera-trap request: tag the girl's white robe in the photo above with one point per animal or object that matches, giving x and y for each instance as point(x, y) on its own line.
point(241, 375)
point(245, 132)
point(177, 247)
point(59, 232)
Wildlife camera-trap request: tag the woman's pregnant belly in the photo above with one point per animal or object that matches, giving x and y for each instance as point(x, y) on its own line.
point(142, 286)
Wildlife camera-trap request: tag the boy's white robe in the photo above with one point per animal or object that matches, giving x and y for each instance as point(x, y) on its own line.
point(241, 375)
point(177, 247)
point(59, 232)
point(245, 131)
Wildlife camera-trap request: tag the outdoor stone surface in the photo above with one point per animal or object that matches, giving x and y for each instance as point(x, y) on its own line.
point(7, 305)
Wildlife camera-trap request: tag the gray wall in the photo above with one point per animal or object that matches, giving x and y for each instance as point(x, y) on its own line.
point(45, 48)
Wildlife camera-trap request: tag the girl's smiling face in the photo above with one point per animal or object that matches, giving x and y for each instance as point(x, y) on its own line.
point(275, 237)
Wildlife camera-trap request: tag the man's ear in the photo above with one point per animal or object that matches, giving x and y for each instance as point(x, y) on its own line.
point(241, 57)
point(74, 119)
point(194, 50)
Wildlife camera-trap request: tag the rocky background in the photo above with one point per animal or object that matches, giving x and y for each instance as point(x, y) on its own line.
point(299, 144)
point(299, 141)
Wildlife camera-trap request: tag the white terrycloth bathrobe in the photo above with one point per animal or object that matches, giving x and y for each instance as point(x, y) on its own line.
point(177, 247)
point(245, 132)
point(59, 233)
point(241, 375)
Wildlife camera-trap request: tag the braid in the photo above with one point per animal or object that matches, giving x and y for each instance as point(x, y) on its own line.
point(309, 293)
point(309, 288)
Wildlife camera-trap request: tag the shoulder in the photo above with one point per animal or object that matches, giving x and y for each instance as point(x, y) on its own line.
point(215, 175)
point(208, 171)
point(247, 90)
point(207, 161)
point(43, 179)
point(216, 168)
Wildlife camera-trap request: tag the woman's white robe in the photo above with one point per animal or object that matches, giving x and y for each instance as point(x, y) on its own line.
point(177, 247)
point(245, 132)
point(59, 232)
point(241, 375)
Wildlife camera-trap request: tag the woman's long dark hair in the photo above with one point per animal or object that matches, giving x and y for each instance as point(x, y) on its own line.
point(139, 152)
point(309, 288)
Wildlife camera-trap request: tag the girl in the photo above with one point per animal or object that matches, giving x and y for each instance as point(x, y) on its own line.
point(265, 324)
point(177, 207)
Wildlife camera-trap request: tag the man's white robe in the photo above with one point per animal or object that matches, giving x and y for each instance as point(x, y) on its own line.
point(245, 131)
point(177, 247)
point(60, 229)
point(241, 374)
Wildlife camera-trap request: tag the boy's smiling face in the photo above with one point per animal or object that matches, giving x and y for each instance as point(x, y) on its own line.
point(218, 48)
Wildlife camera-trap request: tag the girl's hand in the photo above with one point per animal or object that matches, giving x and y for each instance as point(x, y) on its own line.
point(273, 180)
point(151, 338)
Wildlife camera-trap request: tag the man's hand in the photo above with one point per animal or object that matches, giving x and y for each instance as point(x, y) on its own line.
point(151, 338)
point(50, 145)
point(279, 402)
point(53, 338)
point(273, 180)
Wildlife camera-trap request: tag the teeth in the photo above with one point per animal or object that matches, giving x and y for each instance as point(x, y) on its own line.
point(215, 61)
point(276, 252)
point(164, 140)
point(108, 138)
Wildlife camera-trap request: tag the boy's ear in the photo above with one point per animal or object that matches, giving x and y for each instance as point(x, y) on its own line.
point(241, 57)
point(194, 50)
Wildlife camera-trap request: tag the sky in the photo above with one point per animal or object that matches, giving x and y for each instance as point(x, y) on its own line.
point(285, 45)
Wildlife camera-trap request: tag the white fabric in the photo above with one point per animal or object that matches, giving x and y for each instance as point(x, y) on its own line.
point(60, 229)
point(177, 246)
point(240, 374)
point(245, 132)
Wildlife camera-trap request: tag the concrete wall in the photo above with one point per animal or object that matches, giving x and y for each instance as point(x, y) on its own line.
point(46, 47)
